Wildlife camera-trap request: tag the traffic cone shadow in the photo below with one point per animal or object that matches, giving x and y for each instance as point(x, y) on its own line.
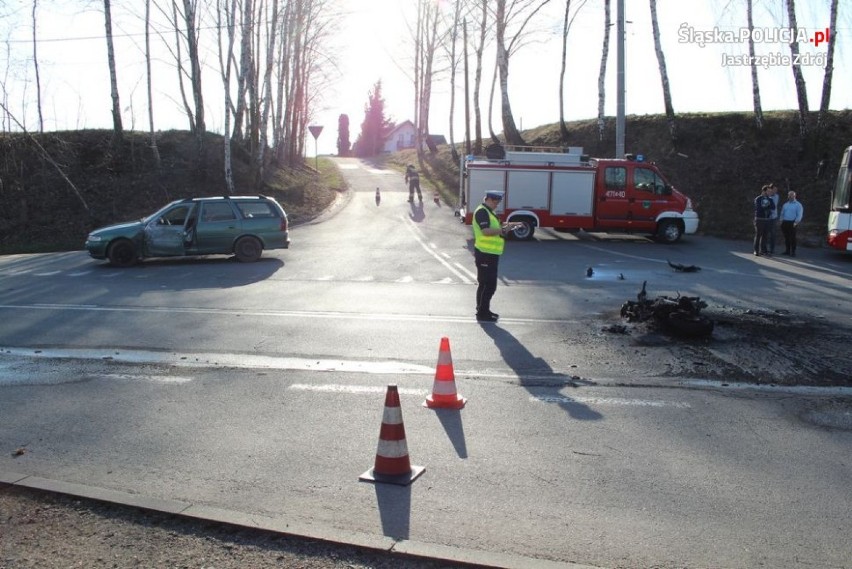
point(444, 394)
point(392, 465)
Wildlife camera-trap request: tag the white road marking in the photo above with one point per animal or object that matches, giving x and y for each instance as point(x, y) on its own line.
point(405, 279)
point(47, 274)
point(79, 274)
point(419, 238)
point(355, 389)
point(269, 313)
point(609, 401)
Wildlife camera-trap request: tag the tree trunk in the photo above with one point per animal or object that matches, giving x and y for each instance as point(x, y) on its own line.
point(664, 77)
point(226, 62)
point(116, 106)
point(510, 131)
point(801, 91)
point(563, 130)
point(477, 81)
point(755, 86)
point(179, 66)
point(190, 16)
point(829, 68)
point(37, 74)
point(154, 148)
point(453, 71)
point(602, 74)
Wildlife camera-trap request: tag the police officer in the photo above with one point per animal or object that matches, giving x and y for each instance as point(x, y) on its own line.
point(489, 238)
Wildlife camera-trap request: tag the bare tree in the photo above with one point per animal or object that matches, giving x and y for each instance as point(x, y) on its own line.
point(664, 77)
point(829, 67)
point(521, 12)
point(801, 91)
point(426, 43)
point(566, 27)
point(602, 74)
point(755, 86)
point(456, 23)
point(477, 76)
point(226, 18)
point(154, 147)
point(35, 65)
point(116, 106)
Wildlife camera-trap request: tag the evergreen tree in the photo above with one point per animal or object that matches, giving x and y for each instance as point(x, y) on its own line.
point(375, 128)
point(343, 143)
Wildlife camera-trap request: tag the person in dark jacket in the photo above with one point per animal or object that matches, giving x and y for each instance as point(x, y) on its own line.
point(412, 178)
point(762, 213)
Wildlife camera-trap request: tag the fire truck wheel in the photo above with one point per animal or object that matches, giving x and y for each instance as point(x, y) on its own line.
point(669, 231)
point(524, 232)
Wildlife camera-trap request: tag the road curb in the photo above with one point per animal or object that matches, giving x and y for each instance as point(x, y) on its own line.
point(283, 526)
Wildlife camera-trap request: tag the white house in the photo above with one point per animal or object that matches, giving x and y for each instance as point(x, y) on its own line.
point(402, 136)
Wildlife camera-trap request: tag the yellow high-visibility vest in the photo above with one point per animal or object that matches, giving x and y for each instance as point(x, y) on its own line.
point(487, 243)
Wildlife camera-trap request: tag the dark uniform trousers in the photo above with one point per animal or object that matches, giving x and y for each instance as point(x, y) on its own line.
point(486, 276)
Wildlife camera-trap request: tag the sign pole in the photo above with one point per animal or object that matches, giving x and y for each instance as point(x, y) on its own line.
point(315, 131)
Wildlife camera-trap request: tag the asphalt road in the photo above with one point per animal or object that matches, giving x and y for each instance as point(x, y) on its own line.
point(259, 389)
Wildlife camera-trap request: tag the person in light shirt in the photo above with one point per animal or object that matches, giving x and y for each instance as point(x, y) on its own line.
point(791, 216)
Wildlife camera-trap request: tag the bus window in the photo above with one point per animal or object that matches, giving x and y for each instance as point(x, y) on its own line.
point(843, 188)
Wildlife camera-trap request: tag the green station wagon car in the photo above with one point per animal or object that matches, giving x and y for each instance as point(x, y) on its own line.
point(239, 225)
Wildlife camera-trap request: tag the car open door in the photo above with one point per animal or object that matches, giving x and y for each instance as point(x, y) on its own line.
point(167, 235)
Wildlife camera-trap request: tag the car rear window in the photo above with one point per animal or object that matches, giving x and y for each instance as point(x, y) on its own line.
point(217, 211)
point(255, 210)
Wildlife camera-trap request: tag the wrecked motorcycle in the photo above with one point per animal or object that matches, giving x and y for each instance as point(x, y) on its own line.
point(680, 315)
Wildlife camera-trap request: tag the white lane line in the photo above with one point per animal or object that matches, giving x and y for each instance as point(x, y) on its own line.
point(79, 274)
point(355, 389)
point(46, 274)
point(156, 378)
point(405, 279)
point(609, 401)
point(284, 313)
point(419, 238)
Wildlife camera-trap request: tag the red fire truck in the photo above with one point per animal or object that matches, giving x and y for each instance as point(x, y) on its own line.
point(840, 215)
point(566, 190)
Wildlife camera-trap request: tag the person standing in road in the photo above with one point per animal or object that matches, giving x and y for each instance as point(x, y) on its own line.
point(769, 246)
point(412, 178)
point(762, 208)
point(791, 216)
point(489, 239)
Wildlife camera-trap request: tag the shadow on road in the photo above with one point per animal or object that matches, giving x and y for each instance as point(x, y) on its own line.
point(452, 422)
point(394, 510)
point(534, 372)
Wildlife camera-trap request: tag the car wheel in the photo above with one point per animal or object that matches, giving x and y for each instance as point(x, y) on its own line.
point(525, 232)
point(248, 249)
point(122, 253)
point(669, 231)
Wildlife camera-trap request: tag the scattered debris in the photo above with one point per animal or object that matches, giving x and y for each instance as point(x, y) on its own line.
point(19, 451)
point(684, 268)
point(616, 329)
point(680, 315)
point(621, 276)
point(589, 272)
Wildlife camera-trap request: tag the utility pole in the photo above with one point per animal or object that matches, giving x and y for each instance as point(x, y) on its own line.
point(619, 109)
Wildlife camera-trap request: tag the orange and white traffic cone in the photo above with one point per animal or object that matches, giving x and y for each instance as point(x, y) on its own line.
point(392, 464)
point(444, 395)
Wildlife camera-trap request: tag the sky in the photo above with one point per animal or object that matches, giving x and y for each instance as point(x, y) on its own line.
point(701, 41)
